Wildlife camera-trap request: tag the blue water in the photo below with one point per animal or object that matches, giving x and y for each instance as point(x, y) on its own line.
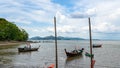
point(106, 57)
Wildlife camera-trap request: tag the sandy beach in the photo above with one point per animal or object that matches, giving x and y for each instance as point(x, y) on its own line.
point(10, 42)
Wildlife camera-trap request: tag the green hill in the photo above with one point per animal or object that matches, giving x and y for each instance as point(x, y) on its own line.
point(10, 32)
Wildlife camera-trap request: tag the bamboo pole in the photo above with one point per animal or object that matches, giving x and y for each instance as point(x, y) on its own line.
point(90, 41)
point(56, 55)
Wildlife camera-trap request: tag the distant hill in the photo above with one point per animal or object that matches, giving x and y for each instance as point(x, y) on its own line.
point(53, 38)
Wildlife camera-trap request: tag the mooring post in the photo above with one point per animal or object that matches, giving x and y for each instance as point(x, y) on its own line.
point(90, 34)
point(56, 55)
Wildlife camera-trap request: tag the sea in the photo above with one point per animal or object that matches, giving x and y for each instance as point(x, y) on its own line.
point(107, 56)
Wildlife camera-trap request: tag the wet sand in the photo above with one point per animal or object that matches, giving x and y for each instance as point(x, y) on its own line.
point(10, 43)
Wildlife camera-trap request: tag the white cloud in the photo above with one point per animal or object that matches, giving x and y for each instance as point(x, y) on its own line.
point(104, 15)
point(41, 11)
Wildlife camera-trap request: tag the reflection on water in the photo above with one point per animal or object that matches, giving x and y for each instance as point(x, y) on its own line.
point(25, 53)
point(11, 58)
point(69, 59)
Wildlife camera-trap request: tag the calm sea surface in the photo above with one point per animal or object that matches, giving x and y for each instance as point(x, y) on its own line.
point(108, 56)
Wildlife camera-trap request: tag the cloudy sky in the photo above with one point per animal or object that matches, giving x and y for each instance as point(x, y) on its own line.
point(36, 17)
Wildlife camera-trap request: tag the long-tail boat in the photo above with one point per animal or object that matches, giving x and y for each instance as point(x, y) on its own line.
point(27, 49)
point(74, 52)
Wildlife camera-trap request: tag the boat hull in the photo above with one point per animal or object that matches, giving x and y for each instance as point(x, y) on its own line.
point(27, 49)
point(97, 45)
point(73, 54)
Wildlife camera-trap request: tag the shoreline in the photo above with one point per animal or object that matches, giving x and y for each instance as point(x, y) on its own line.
point(2, 43)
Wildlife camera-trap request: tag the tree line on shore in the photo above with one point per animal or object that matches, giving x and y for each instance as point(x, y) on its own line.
point(10, 31)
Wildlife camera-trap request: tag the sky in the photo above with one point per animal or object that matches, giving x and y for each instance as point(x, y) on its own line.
point(37, 17)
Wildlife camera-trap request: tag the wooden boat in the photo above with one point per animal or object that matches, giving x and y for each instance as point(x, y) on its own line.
point(74, 52)
point(89, 55)
point(97, 45)
point(26, 49)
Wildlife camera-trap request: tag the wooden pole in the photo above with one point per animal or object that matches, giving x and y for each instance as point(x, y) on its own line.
point(56, 55)
point(90, 40)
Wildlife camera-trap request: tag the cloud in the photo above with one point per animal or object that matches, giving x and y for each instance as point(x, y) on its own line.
point(71, 20)
point(88, 13)
point(104, 16)
point(40, 11)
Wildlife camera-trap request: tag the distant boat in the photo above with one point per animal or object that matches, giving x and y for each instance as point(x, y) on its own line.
point(74, 52)
point(97, 45)
point(27, 49)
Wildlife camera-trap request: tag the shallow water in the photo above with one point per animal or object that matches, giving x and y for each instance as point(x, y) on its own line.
point(106, 57)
